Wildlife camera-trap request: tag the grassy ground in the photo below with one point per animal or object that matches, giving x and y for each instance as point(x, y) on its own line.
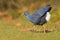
point(10, 30)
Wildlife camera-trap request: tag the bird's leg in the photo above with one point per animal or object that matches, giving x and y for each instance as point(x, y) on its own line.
point(28, 29)
point(33, 28)
point(44, 29)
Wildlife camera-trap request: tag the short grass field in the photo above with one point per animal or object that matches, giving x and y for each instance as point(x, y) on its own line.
point(10, 30)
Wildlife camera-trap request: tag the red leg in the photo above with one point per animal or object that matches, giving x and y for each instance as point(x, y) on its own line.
point(44, 29)
point(28, 29)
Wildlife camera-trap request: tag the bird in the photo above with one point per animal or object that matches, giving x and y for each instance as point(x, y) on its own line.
point(39, 17)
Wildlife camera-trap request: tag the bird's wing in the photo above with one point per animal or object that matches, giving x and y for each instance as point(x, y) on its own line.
point(35, 17)
point(42, 11)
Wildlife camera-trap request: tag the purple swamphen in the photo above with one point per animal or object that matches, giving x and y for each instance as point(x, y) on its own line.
point(40, 17)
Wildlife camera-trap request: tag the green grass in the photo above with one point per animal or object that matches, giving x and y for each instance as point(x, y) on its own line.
point(9, 31)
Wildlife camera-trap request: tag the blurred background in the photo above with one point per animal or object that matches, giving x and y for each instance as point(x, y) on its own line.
point(12, 19)
point(16, 8)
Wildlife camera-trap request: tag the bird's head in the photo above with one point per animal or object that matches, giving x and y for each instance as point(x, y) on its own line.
point(27, 15)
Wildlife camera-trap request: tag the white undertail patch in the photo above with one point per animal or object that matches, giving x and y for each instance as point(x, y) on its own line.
point(48, 16)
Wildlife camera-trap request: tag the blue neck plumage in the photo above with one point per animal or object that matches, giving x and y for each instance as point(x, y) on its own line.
point(28, 16)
